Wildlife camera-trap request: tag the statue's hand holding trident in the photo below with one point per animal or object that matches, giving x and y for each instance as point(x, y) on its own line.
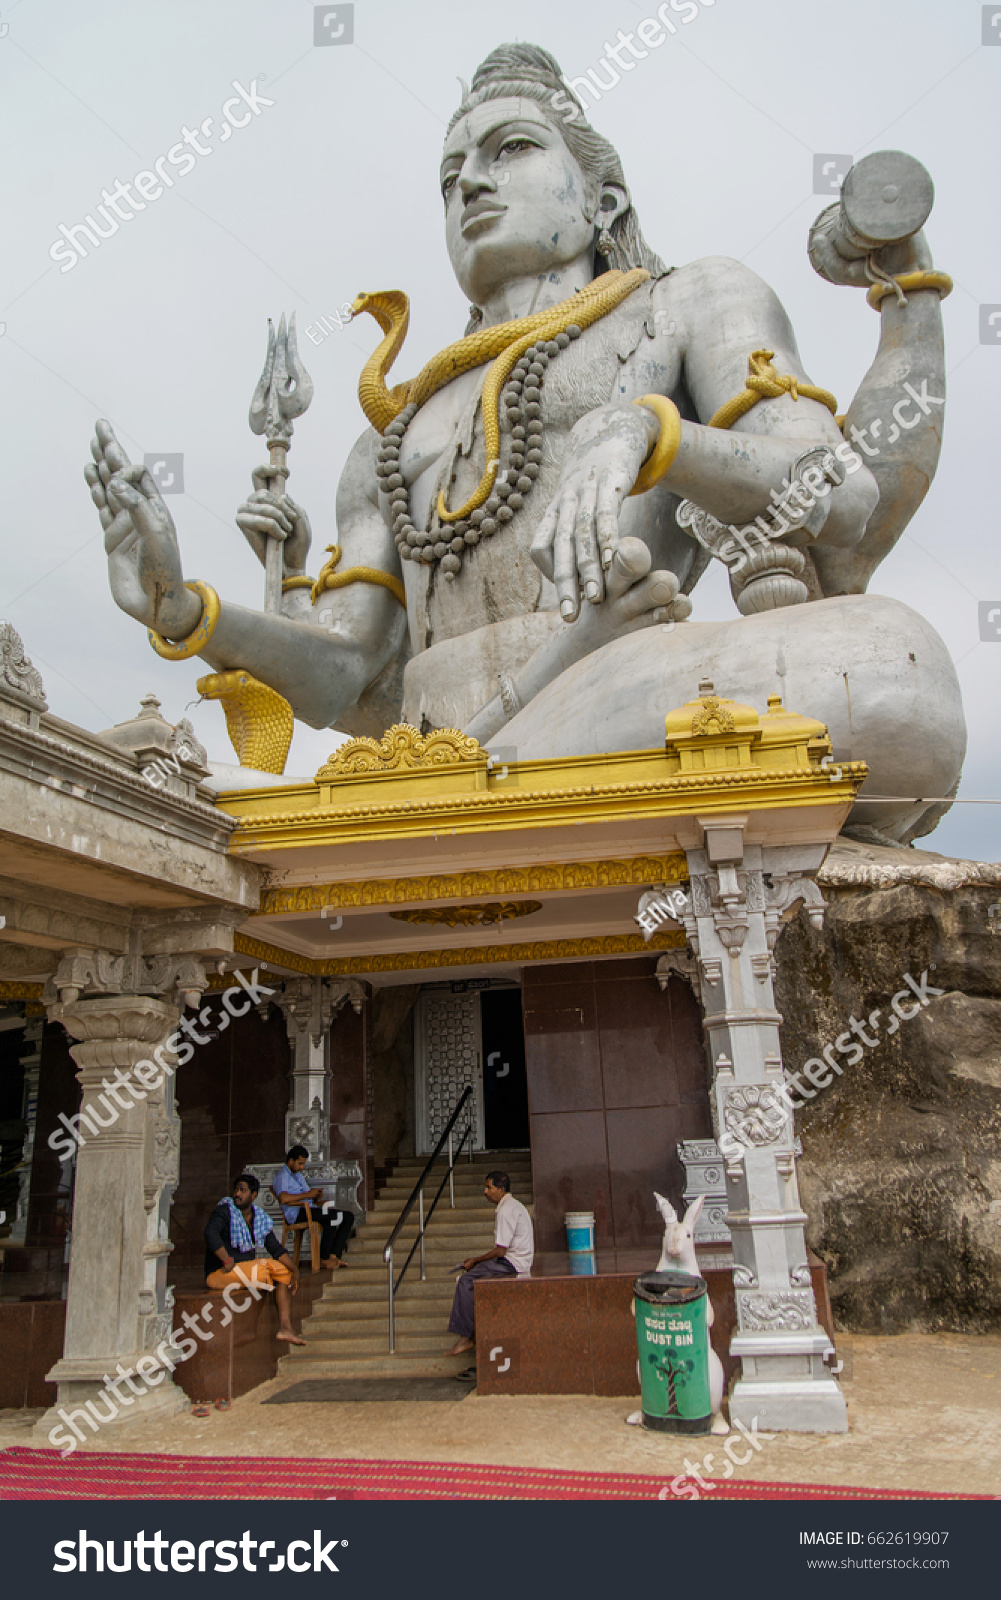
point(276, 529)
point(140, 539)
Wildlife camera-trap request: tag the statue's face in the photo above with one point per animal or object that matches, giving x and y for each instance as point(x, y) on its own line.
point(513, 197)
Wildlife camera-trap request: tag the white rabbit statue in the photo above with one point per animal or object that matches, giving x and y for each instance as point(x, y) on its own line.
point(678, 1255)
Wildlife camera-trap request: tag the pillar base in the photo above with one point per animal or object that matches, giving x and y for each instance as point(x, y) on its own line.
point(82, 1380)
point(790, 1405)
point(786, 1385)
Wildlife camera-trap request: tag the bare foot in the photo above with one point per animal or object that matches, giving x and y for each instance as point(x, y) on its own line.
point(331, 1265)
point(462, 1346)
point(289, 1337)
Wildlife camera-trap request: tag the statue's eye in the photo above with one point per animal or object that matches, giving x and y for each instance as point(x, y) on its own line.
point(517, 144)
point(448, 184)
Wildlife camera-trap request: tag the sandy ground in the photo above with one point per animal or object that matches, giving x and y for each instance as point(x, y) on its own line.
point(924, 1412)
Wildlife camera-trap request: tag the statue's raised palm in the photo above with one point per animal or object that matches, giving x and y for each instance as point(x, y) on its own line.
point(144, 563)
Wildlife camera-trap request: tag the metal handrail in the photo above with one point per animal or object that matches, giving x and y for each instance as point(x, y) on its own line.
point(417, 1195)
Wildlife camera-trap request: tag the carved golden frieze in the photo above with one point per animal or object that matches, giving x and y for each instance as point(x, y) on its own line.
point(273, 954)
point(672, 868)
point(401, 748)
point(470, 916)
point(11, 990)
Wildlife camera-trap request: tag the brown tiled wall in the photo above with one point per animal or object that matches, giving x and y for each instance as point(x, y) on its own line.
point(232, 1098)
point(31, 1342)
point(239, 1356)
point(244, 1352)
point(616, 1077)
point(347, 1093)
point(578, 1335)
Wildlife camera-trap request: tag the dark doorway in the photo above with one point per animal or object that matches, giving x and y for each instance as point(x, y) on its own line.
point(505, 1085)
point(619, 1079)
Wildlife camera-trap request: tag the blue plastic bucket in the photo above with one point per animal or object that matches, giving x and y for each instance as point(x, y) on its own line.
point(580, 1231)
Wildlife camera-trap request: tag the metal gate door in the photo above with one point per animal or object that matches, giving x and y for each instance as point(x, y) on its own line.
point(448, 1058)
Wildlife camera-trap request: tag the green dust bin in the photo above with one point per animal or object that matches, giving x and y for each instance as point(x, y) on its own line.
point(673, 1342)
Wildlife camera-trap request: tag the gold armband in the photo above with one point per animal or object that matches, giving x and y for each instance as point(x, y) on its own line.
point(300, 581)
point(205, 628)
point(661, 457)
point(329, 578)
point(909, 282)
point(765, 383)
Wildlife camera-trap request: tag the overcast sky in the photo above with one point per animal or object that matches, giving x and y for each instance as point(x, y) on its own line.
point(334, 188)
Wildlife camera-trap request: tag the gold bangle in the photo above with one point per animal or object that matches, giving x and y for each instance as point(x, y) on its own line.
point(329, 578)
point(204, 628)
point(300, 581)
point(661, 457)
point(763, 382)
point(909, 282)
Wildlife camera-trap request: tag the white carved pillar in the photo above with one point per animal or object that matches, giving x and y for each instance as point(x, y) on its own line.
point(738, 896)
point(309, 1006)
point(119, 1309)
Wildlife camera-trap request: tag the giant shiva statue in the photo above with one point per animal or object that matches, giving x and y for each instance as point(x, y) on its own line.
point(520, 526)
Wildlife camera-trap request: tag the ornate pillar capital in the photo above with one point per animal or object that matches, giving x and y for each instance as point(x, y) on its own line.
point(785, 892)
point(88, 973)
point(112, 1029)
point(295, 1001)
point(681, 964)
point(311, 1004)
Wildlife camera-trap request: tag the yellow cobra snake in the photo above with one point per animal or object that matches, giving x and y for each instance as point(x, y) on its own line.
point(503, 345)
point(259, 720)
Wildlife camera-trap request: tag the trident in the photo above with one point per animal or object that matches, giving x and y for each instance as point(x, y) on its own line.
point(284, 391)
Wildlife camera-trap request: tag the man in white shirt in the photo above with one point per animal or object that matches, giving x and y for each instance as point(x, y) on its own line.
point(513, 1252)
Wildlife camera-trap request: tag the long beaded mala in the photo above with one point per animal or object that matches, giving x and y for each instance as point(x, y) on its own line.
point(521, 418)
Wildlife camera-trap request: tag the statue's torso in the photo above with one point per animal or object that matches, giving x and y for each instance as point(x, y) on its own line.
point(444, 449)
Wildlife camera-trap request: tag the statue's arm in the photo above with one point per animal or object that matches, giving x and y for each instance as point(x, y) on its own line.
point(717, 312)
point(324, 661)
point(726, 311)
point(321, 663)
point(895, 420)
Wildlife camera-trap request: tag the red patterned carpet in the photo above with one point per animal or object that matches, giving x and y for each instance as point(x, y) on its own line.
point(44, 1475)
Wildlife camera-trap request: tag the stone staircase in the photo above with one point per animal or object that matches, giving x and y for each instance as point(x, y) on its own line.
point(348, 1328)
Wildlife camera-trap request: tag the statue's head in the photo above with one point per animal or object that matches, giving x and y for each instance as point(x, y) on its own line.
point(528, 185)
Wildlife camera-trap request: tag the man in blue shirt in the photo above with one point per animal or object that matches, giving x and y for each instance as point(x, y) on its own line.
point(295, 1196)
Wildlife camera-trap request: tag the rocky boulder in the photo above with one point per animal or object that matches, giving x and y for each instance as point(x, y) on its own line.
point(901, 1168)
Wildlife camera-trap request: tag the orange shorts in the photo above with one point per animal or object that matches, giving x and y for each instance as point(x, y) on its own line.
point(264, 1272)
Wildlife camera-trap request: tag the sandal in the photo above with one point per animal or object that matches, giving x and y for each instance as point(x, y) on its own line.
point(222, 1404)
point(201, 1409)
